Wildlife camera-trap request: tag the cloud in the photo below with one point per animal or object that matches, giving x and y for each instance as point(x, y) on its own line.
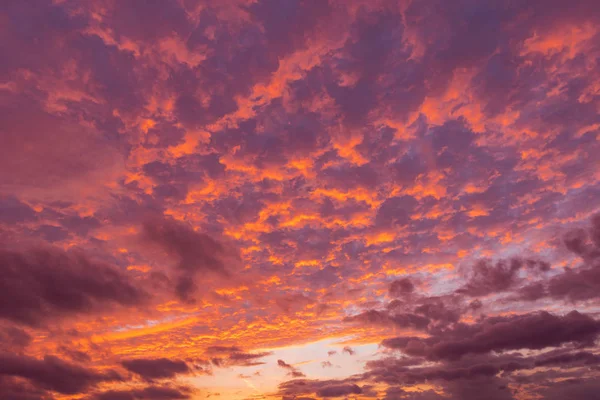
point(157, 368)
point(572, 284)
point(395, 211)
point(572, 388)
point(43, 283)
point(466, 355)
point(13, 211)
point(422, 313)
point(223, 349)
point(326, 388)
point(488, 278)
point(247, 359)
point(28, 129)
point(339, 390)
point(217, 177)
point(234, 356)
point(528, 331)
point(582, 357)
point(376, 317)
point(15, 388)
point(401, 287)
point(54, 374)
point(194, 252)
point(295, 372)
point(13, 338)
point(149, 392)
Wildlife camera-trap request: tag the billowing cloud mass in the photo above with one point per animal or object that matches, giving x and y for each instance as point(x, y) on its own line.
point(45, 283)
point(53, 373)
point(299, 199)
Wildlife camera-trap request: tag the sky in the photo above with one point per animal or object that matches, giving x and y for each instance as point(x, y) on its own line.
point(299, 199)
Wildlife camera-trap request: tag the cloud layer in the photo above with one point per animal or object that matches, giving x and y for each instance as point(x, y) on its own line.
point(299, 199)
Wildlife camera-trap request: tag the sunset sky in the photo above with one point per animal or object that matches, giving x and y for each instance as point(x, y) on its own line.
point(300, 199)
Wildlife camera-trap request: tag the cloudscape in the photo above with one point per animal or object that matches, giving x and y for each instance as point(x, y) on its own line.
point(300, 199)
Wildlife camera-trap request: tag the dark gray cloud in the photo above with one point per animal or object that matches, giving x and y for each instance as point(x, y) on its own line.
point(156, 368)
point(54, 374)
point(43, 283)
